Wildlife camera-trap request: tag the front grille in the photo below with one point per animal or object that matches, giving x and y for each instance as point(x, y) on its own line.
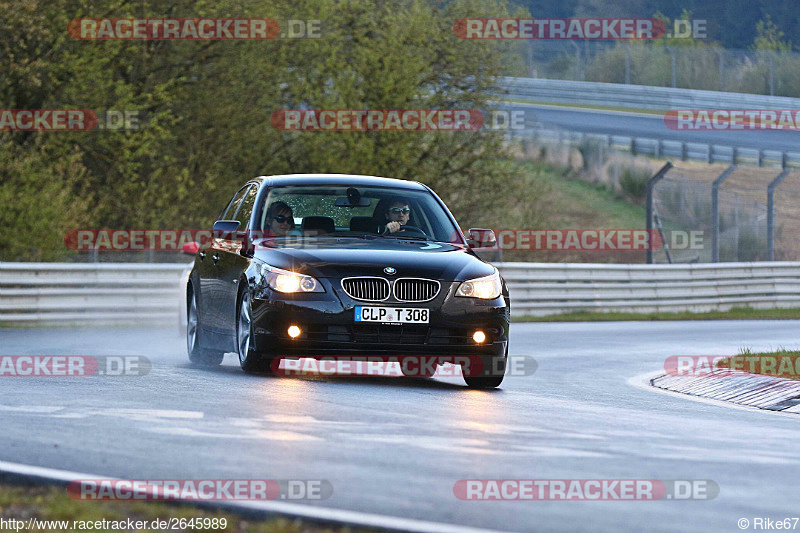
point(367, 289)
point(415, 289)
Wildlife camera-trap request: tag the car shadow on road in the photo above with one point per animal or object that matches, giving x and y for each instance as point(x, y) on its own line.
point(392, 381)
point(385, 381)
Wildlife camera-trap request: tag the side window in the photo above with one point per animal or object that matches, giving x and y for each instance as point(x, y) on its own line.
point(246, 208)
point(233, 206)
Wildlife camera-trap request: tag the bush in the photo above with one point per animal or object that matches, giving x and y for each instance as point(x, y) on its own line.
point(633, 182)
point(209, 108)
point(752, 244)
point(593, 153)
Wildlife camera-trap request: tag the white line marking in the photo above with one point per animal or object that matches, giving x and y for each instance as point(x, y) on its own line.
point(140, 414)
point(44, 409)
point(148, 414)
point(353, 518)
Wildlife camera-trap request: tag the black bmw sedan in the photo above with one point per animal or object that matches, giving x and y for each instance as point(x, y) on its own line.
point(339, 266)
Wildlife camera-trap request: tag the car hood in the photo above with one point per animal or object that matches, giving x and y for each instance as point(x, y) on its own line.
point(340, 258)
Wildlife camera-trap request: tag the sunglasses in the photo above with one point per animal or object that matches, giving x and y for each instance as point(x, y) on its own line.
point(400, 210)
point(280, 219)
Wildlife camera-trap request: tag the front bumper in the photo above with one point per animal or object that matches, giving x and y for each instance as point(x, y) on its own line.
point(328, 325)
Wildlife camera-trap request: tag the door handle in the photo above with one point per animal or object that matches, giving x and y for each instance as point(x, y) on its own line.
point(215, 258)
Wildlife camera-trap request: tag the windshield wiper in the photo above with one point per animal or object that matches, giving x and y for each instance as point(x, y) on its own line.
point(364, 236)
point(407, 238)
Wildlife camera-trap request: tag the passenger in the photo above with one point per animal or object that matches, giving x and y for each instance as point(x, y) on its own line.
point(280, 220)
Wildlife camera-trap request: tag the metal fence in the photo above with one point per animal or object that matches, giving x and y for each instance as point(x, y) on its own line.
point(654, 64)
point(144, 294)
point(89, 294)
point(539, 289)
point(742, 214)
point(660, 148)
point(637, 96)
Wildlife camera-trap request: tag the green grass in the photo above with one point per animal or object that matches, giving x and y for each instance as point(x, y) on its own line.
point(586, 106)
point(53, 503)
point(584, 200)
point(737, 313)
point(780, 363)
point(572, 203)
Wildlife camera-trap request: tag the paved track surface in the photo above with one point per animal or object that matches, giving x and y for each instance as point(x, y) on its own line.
point(653, 127)
point(396, 446)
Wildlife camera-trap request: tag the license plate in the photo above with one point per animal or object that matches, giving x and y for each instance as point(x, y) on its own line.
point(398, 315)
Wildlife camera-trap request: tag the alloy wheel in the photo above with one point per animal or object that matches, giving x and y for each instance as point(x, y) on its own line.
point(191, 324)
point(243, 327)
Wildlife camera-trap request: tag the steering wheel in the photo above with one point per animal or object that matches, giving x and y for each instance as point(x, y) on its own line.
point(408, 231)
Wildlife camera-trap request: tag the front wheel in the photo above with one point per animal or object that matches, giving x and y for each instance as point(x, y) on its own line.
point(197, 354)
point(250, 360)
point(491, 377)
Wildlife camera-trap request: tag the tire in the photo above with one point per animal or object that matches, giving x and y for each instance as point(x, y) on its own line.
point(197, 355)
point(250, 359)
point(489, 379)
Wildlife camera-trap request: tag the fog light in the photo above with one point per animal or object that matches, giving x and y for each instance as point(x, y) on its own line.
point(294, 332)
point(479, 337)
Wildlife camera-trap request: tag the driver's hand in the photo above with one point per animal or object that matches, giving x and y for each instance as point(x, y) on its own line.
point(393, 226)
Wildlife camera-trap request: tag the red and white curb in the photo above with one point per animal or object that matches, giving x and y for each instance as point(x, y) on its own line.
point(736, 388)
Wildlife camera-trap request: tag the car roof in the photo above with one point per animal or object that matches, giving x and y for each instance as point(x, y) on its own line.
point(338, 179)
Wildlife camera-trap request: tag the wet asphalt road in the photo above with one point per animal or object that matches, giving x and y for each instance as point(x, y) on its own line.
point(396, 446)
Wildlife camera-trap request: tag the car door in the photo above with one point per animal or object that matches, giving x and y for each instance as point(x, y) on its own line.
point(212, 287)
point(233, 262)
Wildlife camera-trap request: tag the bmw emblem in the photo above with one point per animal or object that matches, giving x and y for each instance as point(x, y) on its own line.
point(390, 270)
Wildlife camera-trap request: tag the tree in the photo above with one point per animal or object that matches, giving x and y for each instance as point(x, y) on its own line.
point(372, 55)
point(206, 109)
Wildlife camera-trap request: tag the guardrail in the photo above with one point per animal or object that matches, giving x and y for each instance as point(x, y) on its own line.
point(638, 96)
point(144, 294)
point(539, 289)
point(89, 294)
point(709, 153)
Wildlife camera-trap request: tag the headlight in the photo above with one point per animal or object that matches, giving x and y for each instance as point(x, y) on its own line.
point(290, 282)
point(486, 288)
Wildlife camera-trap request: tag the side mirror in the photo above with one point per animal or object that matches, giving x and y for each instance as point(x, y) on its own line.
point(225, 226)
point(242, 241)
point(481, 238)
point(190, 248)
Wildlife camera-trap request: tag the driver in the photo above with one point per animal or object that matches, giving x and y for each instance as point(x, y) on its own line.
point(397, 215)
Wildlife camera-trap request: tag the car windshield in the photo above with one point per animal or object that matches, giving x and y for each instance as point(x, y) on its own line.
point(347, 211)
